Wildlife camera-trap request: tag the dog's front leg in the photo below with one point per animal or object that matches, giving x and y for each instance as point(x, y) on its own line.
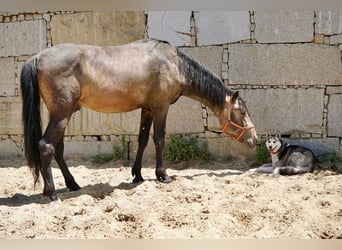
point(265, 168)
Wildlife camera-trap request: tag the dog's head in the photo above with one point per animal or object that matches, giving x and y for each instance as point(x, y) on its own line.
point(273, 143)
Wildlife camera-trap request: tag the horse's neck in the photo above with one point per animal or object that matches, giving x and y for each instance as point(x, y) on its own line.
point(195, 95)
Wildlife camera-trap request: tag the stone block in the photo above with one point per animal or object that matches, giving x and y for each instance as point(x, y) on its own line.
point(89, 122)
point(283, 26)
point(222, 146)
point(335, 115)
point(218, 27)
point(22, 38)
point(284, 64)
point(10, 116)
point(87, 149)
point(286, 110)
point(7, 77)
point(171, 26)
point(98, 28)
point(185, 117)
point(210, 56)
point(328, 22)
point(334, 90)
point(336, 40)
point(9, 148)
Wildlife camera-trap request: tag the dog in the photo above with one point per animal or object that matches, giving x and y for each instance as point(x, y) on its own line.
point(287, 158)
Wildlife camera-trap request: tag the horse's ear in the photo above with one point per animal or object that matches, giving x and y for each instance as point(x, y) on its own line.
point(235, 96)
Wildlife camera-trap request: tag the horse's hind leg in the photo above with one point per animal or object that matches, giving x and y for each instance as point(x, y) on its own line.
point(47, 146)
point(69, 179)
point(144, 132)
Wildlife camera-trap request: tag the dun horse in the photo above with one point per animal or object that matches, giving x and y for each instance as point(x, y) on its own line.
point(146, 74)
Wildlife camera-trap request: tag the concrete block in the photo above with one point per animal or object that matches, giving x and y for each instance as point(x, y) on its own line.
point(171, 26)
point(7, 77)
point(89, 122)
point(222, 146)
point(328, 22)
point(218, 27)
point(98, 28)
point(336, 40)
point(284, 64)
point(283, 26)
point(87, 149)
point(10, 116)
point(9, 148)
point(286, 110)
point(210, 56)
point(22, 38)
point(335, 116)
point(334, 90)
point(185, 117)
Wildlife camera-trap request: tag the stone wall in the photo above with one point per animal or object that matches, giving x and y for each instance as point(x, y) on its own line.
point(286, 65)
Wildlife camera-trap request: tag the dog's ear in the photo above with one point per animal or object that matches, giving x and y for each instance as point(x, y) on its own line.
point(278, 134)
point(268, 134)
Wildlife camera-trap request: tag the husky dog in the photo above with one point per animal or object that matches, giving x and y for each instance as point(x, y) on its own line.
point(287, 159)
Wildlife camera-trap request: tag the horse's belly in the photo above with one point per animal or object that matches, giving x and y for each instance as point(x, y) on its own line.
point(110, 105)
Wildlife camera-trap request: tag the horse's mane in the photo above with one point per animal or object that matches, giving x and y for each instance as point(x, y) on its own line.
point(202, 80)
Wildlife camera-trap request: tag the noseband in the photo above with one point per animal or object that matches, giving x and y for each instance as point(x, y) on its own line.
point(229, 122)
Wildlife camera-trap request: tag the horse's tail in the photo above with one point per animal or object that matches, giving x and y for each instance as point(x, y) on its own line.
point(31, 115)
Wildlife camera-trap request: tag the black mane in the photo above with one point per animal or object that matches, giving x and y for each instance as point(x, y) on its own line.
point(203, 81)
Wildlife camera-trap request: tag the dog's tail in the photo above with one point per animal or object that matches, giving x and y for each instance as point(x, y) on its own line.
point(289, 170)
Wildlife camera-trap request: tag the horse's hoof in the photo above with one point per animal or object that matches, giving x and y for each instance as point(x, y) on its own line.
point(53, 197)
point(138, 180)
point(165, 179)
point(74, 187)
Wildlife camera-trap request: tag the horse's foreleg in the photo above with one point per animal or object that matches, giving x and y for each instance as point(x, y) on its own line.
point(144, 132)
point(69, 179)
point(159, 121)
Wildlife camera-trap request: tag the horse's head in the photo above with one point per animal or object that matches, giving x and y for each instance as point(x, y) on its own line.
point(235, 120)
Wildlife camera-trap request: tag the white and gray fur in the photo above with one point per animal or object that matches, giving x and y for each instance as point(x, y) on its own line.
point(287, 159)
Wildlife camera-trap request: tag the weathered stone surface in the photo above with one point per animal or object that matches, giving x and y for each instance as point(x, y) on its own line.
point(87, 149)
point(210, 56)
point(9, 148)
point(334, 90)
point(218, 27)
point(171, 26)
point(283, 26)
point(286, 110)
point(22, 38)
point(10, 116)
point(7, 80)
point(98, 28)
point(222, 146)
point(284, 64)
point(335, 116)
point(184, 117)
point(328, 22)
point(336, 40)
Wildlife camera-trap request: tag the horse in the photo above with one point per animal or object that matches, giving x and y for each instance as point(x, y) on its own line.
point(147, 74)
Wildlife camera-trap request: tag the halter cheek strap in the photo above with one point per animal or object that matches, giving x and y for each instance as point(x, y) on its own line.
point(229, 122)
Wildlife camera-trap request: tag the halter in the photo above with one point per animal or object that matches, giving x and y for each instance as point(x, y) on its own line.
point(229, 122)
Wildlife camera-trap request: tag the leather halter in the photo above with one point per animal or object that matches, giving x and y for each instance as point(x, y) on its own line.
point(229, 122)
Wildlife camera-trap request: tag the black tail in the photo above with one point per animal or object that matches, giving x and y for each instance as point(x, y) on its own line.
point(31, 115)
